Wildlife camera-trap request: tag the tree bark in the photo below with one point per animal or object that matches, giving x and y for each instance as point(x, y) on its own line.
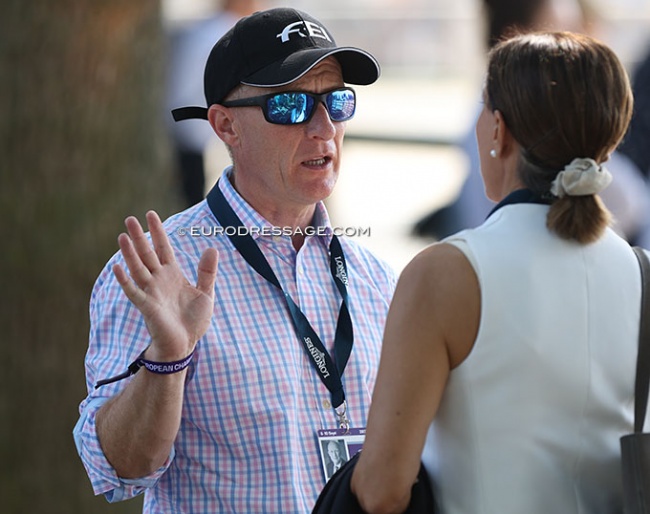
point(83, 145)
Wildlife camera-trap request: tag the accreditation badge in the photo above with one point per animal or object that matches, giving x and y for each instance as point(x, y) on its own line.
point(337, 446)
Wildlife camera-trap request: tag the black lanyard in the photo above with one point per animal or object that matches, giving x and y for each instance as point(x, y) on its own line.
point(330, 372)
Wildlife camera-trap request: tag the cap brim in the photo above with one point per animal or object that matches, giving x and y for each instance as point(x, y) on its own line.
point(358, 67)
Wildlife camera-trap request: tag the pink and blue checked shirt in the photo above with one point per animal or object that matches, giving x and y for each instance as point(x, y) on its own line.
point(253, 403)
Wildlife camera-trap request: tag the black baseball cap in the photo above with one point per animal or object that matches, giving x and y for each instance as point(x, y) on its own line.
point(273, 48)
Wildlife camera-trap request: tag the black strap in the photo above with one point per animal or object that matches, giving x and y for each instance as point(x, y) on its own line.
point(188, 113)
point(330, 372)
point(643, 359)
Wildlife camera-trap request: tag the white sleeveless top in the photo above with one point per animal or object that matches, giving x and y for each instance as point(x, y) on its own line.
point(530, 422)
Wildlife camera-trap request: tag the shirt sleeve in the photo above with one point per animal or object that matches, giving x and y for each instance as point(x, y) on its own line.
point(117, 336)
point(102, 476)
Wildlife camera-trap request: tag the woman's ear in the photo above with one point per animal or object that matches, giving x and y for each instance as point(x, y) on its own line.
point(503, 140)
point(223, 123)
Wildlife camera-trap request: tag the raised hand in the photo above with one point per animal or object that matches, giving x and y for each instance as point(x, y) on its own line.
point(177, 314)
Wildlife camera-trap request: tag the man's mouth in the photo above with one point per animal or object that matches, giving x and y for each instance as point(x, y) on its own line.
point(318, 162)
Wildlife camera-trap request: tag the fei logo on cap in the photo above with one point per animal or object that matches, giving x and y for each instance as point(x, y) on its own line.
point(313, 30)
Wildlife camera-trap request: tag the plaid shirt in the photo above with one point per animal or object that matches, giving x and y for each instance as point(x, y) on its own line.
point(253, 403)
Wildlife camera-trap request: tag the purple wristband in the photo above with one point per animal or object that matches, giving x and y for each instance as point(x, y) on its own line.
point(165, 368)
point(162, 368)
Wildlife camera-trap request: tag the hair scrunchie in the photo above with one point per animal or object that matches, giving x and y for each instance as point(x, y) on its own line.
point(581, 177)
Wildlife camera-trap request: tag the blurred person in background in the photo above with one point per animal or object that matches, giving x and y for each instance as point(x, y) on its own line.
point(242, 370)
point(510, 349)
point(636, 144)
point(190, 46)
point(626, 198)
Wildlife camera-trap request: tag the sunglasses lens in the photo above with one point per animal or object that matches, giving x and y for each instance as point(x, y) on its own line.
point(289, 108)
point(341, 104)
point(293, 107)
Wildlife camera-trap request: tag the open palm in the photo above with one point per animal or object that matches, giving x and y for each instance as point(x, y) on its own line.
point(177, 313)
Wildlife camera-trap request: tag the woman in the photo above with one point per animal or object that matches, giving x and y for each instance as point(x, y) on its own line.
point(510, 349)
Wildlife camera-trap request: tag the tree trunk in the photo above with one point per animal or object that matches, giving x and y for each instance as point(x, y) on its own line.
point(82, 146)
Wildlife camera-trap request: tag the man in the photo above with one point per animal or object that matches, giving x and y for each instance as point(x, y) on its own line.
point(242, 370)
point(336, 460)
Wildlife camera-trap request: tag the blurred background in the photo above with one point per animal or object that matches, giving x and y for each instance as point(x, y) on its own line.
point(86, 140)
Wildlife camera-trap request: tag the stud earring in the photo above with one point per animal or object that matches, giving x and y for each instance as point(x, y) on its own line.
point(493, 153)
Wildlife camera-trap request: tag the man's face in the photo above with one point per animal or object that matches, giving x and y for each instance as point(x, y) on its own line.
point(334, 453)
point(292, 166)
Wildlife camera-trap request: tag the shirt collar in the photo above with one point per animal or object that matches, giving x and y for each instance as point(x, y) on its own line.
point(251, 218)
point(521, 196)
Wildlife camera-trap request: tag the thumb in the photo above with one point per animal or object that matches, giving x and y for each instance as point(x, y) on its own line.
point(207, 271)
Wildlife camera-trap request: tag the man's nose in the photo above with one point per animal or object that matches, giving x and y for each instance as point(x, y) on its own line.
point(320, 124)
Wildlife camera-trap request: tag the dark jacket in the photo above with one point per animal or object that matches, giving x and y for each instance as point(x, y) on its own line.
point(337, 498)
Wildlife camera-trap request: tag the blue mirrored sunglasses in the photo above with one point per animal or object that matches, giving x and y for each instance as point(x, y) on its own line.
point(294, 107)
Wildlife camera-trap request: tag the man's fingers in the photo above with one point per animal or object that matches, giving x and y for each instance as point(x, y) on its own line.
point(161, 245)
point(207, 271)
point(132, 291)
point(137, 269)
point(141, 243)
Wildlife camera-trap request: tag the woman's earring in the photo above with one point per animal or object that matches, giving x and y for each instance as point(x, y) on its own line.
point(493, 153)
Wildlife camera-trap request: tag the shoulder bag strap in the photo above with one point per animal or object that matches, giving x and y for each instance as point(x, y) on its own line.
point(643, 359)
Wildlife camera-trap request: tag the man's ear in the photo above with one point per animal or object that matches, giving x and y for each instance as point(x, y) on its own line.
point(223, 123)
